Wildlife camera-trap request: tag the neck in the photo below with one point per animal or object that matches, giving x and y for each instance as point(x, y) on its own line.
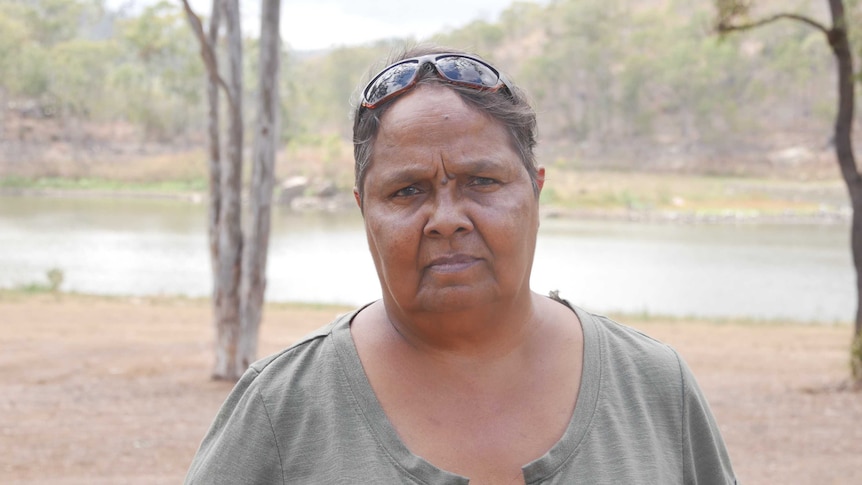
point(487, 331)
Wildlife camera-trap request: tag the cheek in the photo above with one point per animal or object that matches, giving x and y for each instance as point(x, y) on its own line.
point(512, 231)
point(515, 215)
point(390, 239)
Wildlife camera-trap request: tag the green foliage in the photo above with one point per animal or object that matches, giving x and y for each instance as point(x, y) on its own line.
point(549, 197)
point(189, 184)
point(76, 60)
point(318, 91)
point(79, 67)
point(23, 64)
point(161, 63)
point(36, 40)
point(53, 21)
point(152, 35)
point(479, 36)
point(600, 72)
point(856, 358)
point(54, 277)
point(521, 18)
point(14, 35)
point(732, 10)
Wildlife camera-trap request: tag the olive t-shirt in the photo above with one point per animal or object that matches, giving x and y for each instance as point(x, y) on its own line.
point(308, 415)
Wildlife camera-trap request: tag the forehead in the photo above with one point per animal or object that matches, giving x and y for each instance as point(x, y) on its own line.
point(435, 117)
point(429, 103)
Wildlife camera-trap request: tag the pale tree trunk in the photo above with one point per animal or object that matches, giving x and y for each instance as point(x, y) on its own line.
point(3, 104)
point(214, 162)
point(238, 285)
point(227, 366)
point(256, 246)
point(224, 240)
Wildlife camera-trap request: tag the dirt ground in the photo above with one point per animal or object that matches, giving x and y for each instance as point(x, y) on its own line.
point(106, 391)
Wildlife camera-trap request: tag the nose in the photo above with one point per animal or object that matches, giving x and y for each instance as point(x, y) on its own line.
point(448, 215)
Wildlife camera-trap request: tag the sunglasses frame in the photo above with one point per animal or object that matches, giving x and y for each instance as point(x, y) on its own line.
point(431, 59)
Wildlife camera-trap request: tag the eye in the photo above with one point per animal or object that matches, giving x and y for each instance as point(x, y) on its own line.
point(408, 191)
point(482, 182)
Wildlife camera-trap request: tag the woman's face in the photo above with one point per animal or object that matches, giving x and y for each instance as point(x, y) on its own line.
point(450, 212)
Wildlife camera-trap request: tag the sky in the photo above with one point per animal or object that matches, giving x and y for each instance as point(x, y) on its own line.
point(321, 24)
point(314, 24)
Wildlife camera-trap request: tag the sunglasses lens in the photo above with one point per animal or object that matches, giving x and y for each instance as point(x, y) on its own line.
point(454, 68)
point(466, 70)
point(391, 81)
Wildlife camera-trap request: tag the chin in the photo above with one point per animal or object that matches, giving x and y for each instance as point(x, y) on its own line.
point(454, 299)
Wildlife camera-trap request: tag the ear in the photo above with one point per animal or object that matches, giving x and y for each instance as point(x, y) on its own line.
point(357, 197)
point(540, 177)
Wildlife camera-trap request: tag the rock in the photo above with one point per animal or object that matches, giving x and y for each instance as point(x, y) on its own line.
point(325, 189)
point(791, 156)
point(292, 188)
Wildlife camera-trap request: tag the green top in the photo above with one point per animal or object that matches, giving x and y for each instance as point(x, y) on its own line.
point(308, 415)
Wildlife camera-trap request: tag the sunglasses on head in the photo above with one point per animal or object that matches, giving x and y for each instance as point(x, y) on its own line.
point(459, 69)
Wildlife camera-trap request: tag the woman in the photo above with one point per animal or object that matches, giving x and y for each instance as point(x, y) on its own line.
point(460, 372)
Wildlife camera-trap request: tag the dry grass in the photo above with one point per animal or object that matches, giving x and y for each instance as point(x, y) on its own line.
point(186, 165)
point(690, 193)
point(604, 192)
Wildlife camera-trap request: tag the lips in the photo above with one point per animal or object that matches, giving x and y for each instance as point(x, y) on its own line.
point(452, 263)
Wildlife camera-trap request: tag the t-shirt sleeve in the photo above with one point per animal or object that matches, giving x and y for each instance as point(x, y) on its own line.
point(240, 446)
point(705, 457)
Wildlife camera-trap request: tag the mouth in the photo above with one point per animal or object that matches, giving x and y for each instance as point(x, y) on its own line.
point(452, 263)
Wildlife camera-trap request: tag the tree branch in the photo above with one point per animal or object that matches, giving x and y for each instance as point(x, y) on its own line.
point(207, 52)
point(724, 26)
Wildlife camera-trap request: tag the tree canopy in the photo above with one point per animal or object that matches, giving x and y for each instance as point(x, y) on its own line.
point(617, 83)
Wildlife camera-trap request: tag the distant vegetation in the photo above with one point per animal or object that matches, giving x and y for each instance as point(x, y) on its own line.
point(54, 280)
point(618, 84)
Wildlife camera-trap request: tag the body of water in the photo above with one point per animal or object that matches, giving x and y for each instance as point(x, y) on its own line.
point(158, 247)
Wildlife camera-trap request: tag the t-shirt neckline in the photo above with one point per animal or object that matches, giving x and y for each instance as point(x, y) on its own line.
point(422, 470)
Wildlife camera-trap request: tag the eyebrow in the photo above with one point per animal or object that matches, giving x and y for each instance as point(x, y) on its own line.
point(485, 164)
point(403, 175)
point(410, 174)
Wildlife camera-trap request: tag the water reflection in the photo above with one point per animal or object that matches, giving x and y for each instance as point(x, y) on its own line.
point(147, 247)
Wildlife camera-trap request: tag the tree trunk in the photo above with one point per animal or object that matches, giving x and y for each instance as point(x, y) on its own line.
point(839, 41)
point(843, 131)
point(257, 238)
point(3, 104)
point(838, 38)
point(228, 330)
point(214, 163)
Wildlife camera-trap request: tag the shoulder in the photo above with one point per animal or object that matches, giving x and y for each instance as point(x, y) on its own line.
point(275, 394)
point(300, 353)
point(611, 342)
point(624, 346)
point(636, 374)
point(303, 363)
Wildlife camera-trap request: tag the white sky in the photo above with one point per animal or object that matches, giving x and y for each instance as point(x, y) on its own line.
point(319, 24)
point(312, 24)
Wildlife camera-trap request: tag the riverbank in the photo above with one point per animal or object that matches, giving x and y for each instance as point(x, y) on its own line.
point(116, 390)
point(585, 195)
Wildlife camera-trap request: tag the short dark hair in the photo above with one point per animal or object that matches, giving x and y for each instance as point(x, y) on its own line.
point(508, 106)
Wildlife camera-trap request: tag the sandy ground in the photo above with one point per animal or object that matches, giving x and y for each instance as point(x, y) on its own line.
point(97, 390)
